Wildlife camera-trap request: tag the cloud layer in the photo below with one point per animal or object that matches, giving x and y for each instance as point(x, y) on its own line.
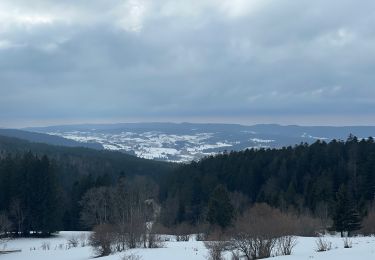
point(267, 60)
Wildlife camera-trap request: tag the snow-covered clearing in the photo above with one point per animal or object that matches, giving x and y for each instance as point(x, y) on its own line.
point(363, 248)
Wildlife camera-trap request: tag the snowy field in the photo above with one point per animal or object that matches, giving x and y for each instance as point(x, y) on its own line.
point(32, 249)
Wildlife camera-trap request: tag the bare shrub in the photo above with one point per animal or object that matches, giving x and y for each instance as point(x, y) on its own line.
point(154, 241)
point(306, 225)
point(182, 238)
point(253, 247)
point(131, 234)
point(323, 245)
point(235, 255)
point(322, 213)
point(83, 239)
point(5, 228)
point(256, 234)
point(201, 237)
point(129, 207)
point(202, 231)
point(217, 244)
point(95, 206)
point(73, 241)
point(102, 239)
point(286, 244)
point(131, 256)
point(17, 213)
point(46, 246)
point(348, 243)
point(216, 249)
point(368, 224)
point(132, 209)
point(183, 232)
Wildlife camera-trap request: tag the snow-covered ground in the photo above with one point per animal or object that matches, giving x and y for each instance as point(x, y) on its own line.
point(363, 249)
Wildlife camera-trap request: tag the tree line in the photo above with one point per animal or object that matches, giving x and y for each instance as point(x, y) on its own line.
point(333, 182)
point(73, 172)
point(30, 194)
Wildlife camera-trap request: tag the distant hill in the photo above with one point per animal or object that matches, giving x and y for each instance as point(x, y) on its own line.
point(47, 139)
point(79, 161)
point(187, 141)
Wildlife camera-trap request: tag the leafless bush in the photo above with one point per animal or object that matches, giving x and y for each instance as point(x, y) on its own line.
point(252, 247)
point(46, 246)
point(183, 232)
point(131, 234)
point(217, 243)
point(263, 231)
point(73, 241)
point(256, 233)
point(323, 245)
point(235, 255)
point(306, 225)
point(368, 224)
point(17, 213)
point(201, 237)
point(95, 206)
point(286, 244)
point(182, 238)
point(5, 227)
point(348, 243)
point(216, 249)
point(131, 256)
point(83, 239)
point(202, 231)
point(154, 241)
point(102, 239)
point(322, 213)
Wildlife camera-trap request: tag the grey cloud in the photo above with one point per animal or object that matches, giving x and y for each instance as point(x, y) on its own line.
point(283, 59)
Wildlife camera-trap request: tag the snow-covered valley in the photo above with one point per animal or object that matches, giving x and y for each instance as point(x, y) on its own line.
point(187, 141)
point(156, 145)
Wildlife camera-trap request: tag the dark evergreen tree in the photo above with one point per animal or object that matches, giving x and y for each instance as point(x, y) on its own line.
point(340, 215)
point(220, 209)
point(354, 221)
point(345, 216)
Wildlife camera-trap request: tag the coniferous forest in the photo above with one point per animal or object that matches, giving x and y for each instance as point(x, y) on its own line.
point(305, 179)
point(336, 179)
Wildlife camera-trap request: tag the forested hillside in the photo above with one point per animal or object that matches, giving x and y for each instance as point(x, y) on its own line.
point(31, 173)
point(78, 161)
point(47, 139)
point(303, 178)
point(46, 186)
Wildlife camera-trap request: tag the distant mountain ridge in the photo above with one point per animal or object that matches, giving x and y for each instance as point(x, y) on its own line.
point(183, 142)
point(47, 139)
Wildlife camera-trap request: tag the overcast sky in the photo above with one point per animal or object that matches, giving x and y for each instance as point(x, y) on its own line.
point(246, 61)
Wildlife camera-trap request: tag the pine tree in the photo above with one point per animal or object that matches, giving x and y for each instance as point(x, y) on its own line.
point(220, 209)
point(345, 217)
point(354, 221)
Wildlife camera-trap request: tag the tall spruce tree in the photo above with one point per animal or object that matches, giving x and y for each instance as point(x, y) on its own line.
point(220, 209)
point(345, 216)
